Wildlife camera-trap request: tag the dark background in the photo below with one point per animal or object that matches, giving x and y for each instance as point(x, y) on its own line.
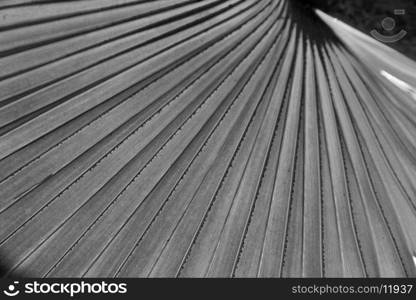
point(367, 15)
